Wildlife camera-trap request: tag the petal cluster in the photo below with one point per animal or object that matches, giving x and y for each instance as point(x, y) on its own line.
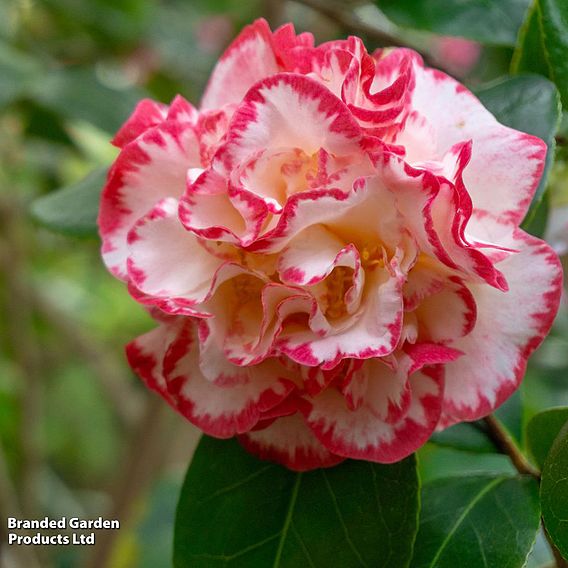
point(330, 246)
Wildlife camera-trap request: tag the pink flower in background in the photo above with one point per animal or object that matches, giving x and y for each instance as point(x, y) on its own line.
point(456, 54)
point(330, 246)
point(213, 33)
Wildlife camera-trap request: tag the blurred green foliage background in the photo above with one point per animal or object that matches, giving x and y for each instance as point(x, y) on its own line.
point(79, 435)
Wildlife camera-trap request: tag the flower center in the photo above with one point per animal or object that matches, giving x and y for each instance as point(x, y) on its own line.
point(372, 255)
point(246, 288)
point(338, 283)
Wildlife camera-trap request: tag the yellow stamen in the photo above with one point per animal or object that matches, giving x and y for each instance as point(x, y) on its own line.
point(338, 283)
point(372, 256)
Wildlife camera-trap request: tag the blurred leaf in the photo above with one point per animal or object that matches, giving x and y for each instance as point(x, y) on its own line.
point(77, 93)
point(543, 429)
point(543, 43)
point(45, 125)
point(17, 73)
point(493, 22)
point(554, 492)
point(510, 414)
point(235, 510)
point(72, 210)
point(469, 436)
point(228, 7)
point(77, 409)
point(529, 103)
point(477, 521)
point(109, 21)
point(154, 534)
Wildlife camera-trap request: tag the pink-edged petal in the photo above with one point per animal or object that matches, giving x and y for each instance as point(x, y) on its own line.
point(426, 354)
point(290, 442)
point(247, 60)
point(285, 38)
point(212, 361)
point(148, 169)
point(165, 260)
point(423, 280)
point(148, 113)
point(373, 331)
point(450, 208)
point(206, 209)
point(220, 411)
point(372, 383)
point(436, 212)
point(510, 326)
point(146, 354)
point(262, 121)
point(302, 210)
point(448, 314)
point(367, 212)
point(506, 165)
point(182, 110)
point(361, 434)
point(257, 324)
point(310, 257)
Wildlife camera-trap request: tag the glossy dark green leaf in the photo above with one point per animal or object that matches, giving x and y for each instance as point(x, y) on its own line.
point(542, 431)
point(469, 436)
point(78, 94)
point(529, 103)
point(237, 511)
point(493, 22)
point(543, 43)
point(438, 462)
point(72, 210)
point(481, 521)
point(554, 492)
point(529, 55)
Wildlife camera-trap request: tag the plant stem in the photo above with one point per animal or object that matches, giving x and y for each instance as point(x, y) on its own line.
point(143, 459)
point(21, 339)
point(507, 445)
point(25, 555)
point(504, 441)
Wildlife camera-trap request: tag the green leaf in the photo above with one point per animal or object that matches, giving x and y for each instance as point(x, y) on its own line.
point(543, 43)
point(542, 431)
point(237, 511)
point(469, 436)
point(78, 94)
point(493, 22)
point(529, 103)
point(554, 492)
point(529, 55)
point(17, 73)
point(510, 414)
point(72, 210)
point(437, 462)
point(479, 521)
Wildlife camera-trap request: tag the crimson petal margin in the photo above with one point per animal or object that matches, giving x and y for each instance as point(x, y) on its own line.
point(513, 326)
point(290, 442)
point(360, 434)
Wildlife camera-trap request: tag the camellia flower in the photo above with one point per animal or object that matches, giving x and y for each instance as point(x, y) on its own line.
point(331, 248)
